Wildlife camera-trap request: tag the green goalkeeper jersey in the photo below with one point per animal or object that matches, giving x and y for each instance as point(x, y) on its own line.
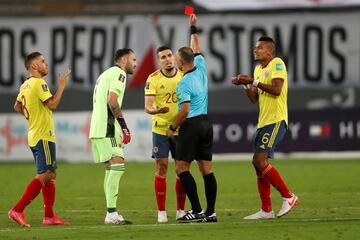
point(103, 123)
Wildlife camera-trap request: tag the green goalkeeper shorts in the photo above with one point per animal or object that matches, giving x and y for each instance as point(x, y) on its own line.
point(106, 148)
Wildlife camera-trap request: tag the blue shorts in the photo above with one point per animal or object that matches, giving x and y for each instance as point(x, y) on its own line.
point(45, 157)
point(268, 137)
point(162, 145)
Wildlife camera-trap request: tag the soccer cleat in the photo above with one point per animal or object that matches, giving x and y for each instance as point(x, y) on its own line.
point(180, 213)
point(18, 217)
point(287, 205)
point(210, 218)
point(260, 215)
point(162, 217)
point(116, 219)
point(55, 220)
point(191, 216)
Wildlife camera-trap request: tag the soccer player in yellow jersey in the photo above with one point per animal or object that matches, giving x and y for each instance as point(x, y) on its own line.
point(269, 87)
point(161, 103)
point(36, 103)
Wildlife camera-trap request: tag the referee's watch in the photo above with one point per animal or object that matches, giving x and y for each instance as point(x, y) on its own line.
point(172, 128)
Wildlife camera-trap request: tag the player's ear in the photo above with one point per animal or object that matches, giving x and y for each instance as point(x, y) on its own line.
point(33, 65)
point(124, 59)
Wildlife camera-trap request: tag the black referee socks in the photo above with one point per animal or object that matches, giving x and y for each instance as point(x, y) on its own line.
point(188, 182)
point(210, 191)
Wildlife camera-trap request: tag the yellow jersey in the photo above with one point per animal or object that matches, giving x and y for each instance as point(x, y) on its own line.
point(272, 108)
point(33, 93)
point(164, 90)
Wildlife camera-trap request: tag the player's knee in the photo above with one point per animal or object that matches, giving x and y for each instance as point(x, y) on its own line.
point(47, 177)
point(181, 166)
point(205, 169)
point(116, 160)
point(162, 170)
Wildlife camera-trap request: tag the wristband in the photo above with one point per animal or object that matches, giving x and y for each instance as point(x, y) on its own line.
point(193, 30)
point(255, 83)
point(172, 128)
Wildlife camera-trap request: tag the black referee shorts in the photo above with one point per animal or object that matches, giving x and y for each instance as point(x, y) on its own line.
point(195, 139)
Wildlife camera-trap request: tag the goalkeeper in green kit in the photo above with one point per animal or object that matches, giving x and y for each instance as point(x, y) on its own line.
point(108, 129)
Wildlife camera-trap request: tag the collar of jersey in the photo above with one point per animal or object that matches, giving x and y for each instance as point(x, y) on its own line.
point(190, 71)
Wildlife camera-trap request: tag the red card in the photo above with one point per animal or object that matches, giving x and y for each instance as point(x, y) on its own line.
point(189, 10)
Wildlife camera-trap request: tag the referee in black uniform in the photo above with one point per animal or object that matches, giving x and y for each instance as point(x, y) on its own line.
point(195, 138)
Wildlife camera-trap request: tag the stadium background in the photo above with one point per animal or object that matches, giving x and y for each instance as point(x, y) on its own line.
point(319, 40)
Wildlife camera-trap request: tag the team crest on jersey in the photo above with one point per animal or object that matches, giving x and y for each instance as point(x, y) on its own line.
point(121, 78)
point(278, 67)
point(155, 149)
point(45, 87)
point(147, 85)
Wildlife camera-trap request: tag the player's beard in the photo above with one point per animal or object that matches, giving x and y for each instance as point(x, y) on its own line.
point(130, 69)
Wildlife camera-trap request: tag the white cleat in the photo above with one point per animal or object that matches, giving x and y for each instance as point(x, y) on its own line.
point(116, 219)
point(162, 217)
point(180, 213)
point(287, 205)
point(261, 215)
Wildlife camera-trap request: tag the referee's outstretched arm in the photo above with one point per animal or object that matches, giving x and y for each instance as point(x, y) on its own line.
point(194, 39)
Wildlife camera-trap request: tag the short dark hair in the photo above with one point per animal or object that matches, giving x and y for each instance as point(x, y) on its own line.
point(186, 54)
point(29, 58)
point(268, 40)
point(162, 48)
point(122, 52)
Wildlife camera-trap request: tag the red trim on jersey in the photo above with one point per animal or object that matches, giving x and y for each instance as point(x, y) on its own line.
point(161, 71)
point(150, 94)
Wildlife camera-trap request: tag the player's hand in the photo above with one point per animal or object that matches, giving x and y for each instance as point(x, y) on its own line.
point(126, 138)
point(63, 79)
point(163, 110)
point(242, 80)
point(192, 20)
point(169, 133)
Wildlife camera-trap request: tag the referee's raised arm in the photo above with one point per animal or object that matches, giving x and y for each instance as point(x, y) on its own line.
point(194, 39)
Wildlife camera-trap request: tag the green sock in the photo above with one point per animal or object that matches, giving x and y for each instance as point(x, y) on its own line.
point(112, 184)
point(107, 171)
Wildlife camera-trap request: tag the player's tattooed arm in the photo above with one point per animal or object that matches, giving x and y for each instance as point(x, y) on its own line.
point(114, 105)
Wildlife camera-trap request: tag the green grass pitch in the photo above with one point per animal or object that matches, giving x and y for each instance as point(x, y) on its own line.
point(329, 208)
